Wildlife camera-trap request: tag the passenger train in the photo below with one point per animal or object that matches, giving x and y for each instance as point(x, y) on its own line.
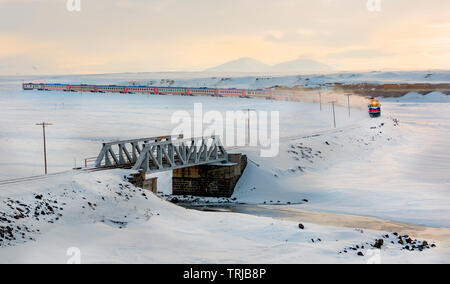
point(245, 93)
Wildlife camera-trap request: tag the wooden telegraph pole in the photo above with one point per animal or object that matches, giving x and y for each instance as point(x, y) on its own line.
point(320, 100)
point(348, 103)
point(44, 124)
point(334, 114)
point(248, 124)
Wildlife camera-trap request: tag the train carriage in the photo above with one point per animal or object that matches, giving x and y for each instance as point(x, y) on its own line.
point(243, 93)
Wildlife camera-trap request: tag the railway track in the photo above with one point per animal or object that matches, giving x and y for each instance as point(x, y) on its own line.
point(319, 133)
point(307, 135)
point(40, 177)
point(32, 178)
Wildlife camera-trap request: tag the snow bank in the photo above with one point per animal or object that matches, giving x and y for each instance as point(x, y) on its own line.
point(413, 97)
point(110, 221)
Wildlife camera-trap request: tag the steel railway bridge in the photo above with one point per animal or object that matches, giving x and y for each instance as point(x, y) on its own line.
point(164, 153)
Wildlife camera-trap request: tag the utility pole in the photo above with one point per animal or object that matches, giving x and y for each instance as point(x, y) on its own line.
point(348, 103)
point(248, 124)
point(334, 114)
point(320, 100)
point(44, 124)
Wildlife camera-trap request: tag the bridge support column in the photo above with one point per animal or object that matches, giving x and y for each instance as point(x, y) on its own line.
point(139, 180)
point(218, 180)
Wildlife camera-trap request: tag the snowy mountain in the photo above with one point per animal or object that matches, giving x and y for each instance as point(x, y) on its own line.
point(301, 65)
point(247, 64)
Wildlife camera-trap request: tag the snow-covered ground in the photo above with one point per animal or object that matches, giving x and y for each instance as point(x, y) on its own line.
point(111, 222)
point(81, 122)
point(394, 167)
point(379, 168)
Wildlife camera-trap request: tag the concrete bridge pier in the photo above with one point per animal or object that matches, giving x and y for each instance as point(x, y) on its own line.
point(212, 180)
point(139, 179)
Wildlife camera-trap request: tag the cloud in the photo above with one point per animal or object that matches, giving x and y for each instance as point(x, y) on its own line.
point(179, 35)
point(293, 36)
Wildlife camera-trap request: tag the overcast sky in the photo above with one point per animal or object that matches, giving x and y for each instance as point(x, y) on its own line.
point(43, 37)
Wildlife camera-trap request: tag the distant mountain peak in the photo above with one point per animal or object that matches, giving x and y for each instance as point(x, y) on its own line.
point(243, 64)
point(302, 65)
point(248, 65)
